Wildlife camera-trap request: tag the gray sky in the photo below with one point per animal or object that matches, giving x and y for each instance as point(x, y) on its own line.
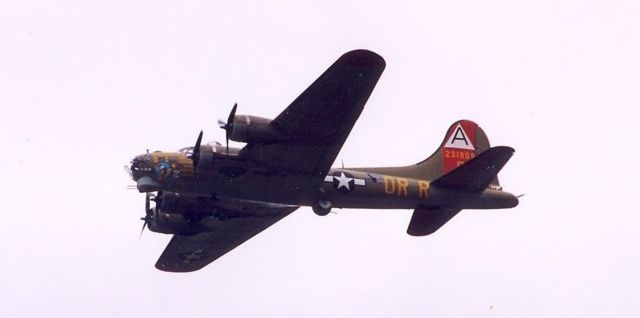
point(85, 86)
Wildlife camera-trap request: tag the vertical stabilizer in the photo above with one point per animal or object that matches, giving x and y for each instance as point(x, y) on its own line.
point(463, 141)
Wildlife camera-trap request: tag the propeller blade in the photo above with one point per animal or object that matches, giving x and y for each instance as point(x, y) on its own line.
point(195, 157)
point(231, 118)
point(147, 204)
point(147, 211)
point(229, 126)
point(128, 170)
point(143, 226)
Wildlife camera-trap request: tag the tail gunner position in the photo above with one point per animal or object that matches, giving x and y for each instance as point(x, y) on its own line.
point(213, 198)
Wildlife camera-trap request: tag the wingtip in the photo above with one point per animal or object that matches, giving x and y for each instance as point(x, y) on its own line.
point(174, 269)
point(363, 58)
point(504, 149)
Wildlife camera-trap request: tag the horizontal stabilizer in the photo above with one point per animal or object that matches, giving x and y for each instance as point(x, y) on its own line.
point(425, 221)
point(476, 174)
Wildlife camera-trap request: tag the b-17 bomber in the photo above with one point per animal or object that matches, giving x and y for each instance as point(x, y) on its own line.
point(212, 197)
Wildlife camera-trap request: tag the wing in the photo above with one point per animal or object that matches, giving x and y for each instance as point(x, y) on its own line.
point(318, 122)
point(187, 253)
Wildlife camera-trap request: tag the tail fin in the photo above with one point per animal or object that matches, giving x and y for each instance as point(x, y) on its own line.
point(464, 141)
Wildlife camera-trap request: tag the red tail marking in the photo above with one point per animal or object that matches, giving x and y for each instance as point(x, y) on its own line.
point(459, 145)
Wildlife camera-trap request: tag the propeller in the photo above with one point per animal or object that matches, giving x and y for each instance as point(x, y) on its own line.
point(228, 126)
point(195, 157)
point(143, 226)
point(148, 211)
point(128, 171)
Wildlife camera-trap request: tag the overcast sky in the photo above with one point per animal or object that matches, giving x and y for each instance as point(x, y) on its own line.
point(85, 86)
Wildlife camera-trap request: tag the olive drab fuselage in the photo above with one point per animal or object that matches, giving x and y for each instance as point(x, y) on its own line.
point(343, 188)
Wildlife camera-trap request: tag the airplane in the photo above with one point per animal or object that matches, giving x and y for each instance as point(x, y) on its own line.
point(212, 197)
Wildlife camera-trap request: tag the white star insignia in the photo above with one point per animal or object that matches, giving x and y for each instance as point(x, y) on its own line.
point(343, 181)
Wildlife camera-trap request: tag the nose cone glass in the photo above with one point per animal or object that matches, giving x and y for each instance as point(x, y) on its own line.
point(140, 167)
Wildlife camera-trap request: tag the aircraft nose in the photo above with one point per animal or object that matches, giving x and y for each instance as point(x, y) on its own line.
point(140, 166)
point(142, 158)
point(146, 184)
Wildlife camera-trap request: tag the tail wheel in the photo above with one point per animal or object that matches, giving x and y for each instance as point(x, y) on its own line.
point(322, 207)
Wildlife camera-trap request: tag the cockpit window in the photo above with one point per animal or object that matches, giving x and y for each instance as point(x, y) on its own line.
point(187, 151)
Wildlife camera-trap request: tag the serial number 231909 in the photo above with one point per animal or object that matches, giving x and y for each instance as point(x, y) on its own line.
point(466, 155)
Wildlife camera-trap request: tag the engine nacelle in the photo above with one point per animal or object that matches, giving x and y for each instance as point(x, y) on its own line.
point(174, 214)
point(171, 202)
point(247, 129)
point(206, 161)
